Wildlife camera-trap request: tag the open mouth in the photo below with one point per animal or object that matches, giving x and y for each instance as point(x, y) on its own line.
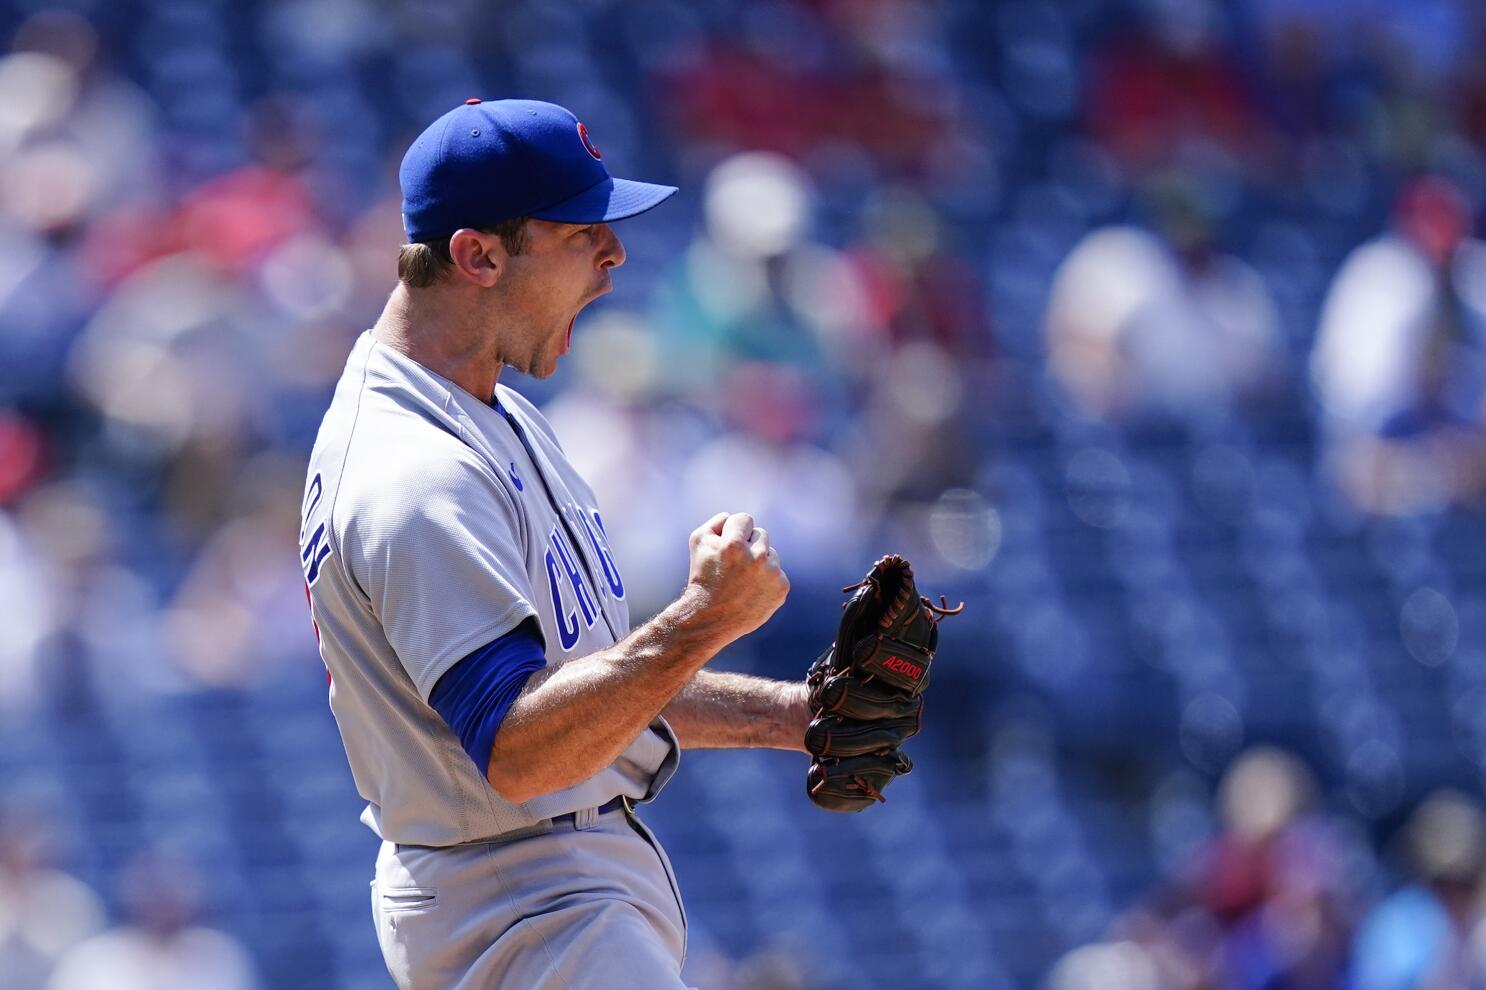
point(568, 341)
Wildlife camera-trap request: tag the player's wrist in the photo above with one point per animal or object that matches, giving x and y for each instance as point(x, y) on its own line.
point(787, 719)
point(796, 703)
point(697, 617)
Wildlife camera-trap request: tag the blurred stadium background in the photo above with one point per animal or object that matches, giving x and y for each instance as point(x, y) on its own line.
point(1151, 328)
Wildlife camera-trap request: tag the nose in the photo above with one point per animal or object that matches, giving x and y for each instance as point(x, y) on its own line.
point(611, 254)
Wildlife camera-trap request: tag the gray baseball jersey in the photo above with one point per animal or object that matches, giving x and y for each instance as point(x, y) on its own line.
point(433, 523)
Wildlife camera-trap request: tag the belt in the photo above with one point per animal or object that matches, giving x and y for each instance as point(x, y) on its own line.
point(612, 805)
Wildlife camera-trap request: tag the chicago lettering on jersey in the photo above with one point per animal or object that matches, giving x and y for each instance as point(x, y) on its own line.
point(560, 563)
point(599, 540)
point(312, 552)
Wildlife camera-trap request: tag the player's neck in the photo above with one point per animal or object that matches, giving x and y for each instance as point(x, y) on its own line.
point(436, 331)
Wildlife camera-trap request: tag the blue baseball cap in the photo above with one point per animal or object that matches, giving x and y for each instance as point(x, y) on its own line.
point(485, 162)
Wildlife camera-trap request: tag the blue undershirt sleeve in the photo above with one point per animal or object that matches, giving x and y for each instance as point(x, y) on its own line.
point(474, 695)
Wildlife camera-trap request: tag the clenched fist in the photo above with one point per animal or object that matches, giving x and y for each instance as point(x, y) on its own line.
point(737, 570)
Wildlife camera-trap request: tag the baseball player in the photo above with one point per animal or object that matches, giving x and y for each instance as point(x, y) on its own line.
point(501, 718)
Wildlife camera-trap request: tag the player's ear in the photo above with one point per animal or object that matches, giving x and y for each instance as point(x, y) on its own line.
point(478, 256)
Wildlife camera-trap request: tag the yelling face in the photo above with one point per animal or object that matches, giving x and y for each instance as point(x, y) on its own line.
point(562, 269)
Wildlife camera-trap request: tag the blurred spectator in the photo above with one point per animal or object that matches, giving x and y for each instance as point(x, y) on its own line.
point(1267, 904)
point(1417, 939)
point(161, 947)
point(914, 288)
point(1264, 794)
point(1312, 53)
point(87, 627)
point(1169, 87)
point(1274, 880)
point(75, 141)
point(858, 79)
point(43, 911)
point(1398, 365)
point(919, 352)
point(1143, 323)
point(727, 315)
point(237, 616)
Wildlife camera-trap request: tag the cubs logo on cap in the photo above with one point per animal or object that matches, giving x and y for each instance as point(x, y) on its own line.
point(587, 141)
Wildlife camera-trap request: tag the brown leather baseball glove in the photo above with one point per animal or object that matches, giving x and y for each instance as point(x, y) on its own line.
point(866, 690)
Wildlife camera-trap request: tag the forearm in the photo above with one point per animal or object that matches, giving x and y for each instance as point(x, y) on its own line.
point(717, 710)
point(574, 719)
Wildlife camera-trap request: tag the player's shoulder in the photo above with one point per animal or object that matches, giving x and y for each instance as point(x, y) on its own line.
point(397, 423)
point(403, 464)
point(416, 490)
point(402, 451)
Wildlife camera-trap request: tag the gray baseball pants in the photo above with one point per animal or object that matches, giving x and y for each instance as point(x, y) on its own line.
point(578, 904)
